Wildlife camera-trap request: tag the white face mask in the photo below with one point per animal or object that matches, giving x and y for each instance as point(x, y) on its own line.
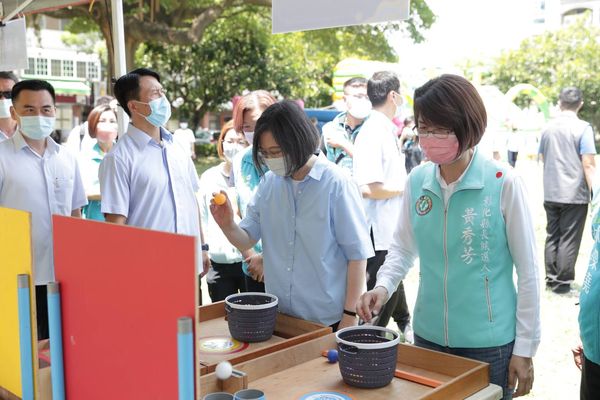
point(249, 136)
point(5, 108)
point(183, 125)
point(37, 127)
point(359, 108)
point(231, 149)
point(277, 165)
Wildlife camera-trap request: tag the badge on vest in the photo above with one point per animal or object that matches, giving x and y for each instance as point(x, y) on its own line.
point(423, 205)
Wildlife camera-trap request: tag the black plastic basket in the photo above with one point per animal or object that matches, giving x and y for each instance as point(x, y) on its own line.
point(251, 316)
point(367, 355)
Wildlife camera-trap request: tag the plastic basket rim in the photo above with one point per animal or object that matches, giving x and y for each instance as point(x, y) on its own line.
point(368, 346)
point(252, 306)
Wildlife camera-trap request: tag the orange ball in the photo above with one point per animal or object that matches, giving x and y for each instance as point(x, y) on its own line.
point(219, 199)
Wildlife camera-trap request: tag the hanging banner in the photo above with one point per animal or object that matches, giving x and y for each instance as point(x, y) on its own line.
point(295, 15)
point(13, 45)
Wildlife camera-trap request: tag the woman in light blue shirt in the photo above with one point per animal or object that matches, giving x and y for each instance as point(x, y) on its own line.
point(102, 126)
point(309, 215)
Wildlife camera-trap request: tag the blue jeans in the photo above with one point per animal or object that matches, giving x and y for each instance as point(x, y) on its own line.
point(498, 358)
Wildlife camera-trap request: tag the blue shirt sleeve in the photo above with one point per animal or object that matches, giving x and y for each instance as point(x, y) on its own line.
point(350, 223)
point(114, 186)
point(586, 143)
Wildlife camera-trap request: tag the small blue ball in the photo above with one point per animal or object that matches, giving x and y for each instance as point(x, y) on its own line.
point(332, 356)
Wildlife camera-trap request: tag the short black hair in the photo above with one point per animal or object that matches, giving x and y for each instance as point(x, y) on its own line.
point(356, 81)
point(32, 84)
point(570, 98)
point(9, 75)
point(380, 85)
point(293, 132)
point(127, 87)
point(452, 102)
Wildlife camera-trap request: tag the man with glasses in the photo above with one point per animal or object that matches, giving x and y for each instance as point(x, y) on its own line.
point(340, 133)
point(8, 126)
point(380, 173)
point(39, 176)
point(147, 180)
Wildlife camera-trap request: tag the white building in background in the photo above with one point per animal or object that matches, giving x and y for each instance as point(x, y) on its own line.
point(75, 75)
point(554, 14)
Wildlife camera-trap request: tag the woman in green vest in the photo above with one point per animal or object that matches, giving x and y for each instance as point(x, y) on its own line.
point(467, 220)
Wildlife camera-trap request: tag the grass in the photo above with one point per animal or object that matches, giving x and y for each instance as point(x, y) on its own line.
point(203, 163)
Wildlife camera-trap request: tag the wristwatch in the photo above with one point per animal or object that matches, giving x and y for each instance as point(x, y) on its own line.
point(205, 247)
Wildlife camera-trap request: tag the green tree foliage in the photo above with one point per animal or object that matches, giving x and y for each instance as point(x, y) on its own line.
point(238, 53)
point(554, 60)
point(210, 50)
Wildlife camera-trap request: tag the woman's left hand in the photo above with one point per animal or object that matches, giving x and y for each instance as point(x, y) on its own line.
point(520, 369)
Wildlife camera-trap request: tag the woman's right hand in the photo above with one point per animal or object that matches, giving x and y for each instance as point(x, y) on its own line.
point(222, 213)
point(370, 303)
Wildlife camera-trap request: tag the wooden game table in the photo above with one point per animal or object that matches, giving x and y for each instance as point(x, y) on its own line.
point(301, 371)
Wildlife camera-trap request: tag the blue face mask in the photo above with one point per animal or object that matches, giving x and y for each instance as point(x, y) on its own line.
point(161, 111)
point(37, 127)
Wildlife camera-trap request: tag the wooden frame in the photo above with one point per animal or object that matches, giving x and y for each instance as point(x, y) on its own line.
point(289, 331)
point(293, 372)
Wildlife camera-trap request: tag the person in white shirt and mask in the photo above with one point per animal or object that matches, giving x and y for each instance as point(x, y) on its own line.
point(225, 276)
point(340, 133)
point(39, 176)
point(185, 136)
point(8, 126)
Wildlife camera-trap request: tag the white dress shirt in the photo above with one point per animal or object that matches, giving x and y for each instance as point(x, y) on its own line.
point(43, 185)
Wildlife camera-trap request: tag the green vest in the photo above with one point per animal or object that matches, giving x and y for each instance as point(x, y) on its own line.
point(466, 296)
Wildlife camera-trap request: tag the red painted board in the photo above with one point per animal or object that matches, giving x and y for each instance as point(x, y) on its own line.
point(122, 291)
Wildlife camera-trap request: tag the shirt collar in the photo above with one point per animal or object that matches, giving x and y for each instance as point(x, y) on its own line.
point(320, 165)
point(20, 143)
point(142, 139)
point(568, 113)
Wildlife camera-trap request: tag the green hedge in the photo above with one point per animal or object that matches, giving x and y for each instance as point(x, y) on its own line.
point(206, 150)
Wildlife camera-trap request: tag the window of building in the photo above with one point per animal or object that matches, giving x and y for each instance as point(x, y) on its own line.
point(55, 68)
point(92, 71)
point(67, 66)
point(41, 66)
point(30, 66)
point(81, 69)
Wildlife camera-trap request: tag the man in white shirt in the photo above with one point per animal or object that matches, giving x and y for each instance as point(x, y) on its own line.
point(185, 136)
point(147, 180)
point(8, 126)
point(39, 176)
point(380, 173)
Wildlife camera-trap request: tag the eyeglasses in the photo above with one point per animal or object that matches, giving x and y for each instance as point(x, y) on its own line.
point(438, 133)
point(270, 154)
point(158, 92)
point(7, 95)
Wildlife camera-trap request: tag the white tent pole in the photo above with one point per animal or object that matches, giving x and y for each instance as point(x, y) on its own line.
point(120, 67)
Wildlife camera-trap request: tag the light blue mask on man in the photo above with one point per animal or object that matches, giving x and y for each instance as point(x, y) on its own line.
point(37, 127)
point(161, 111)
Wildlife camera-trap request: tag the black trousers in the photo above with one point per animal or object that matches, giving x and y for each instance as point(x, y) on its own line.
point(590, 380)
point(512, 157)
point(41, 309)
point(230, 281)
point(396, 306)
point(254, 285)
point(564, 229)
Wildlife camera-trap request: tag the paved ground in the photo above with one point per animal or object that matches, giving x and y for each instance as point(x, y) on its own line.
point(556, 377)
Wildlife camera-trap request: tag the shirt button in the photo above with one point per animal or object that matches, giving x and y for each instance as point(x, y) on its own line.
point(291, 243)
point(289, 269)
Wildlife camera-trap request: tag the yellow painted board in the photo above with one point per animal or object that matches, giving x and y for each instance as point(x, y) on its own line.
point(15, 259)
